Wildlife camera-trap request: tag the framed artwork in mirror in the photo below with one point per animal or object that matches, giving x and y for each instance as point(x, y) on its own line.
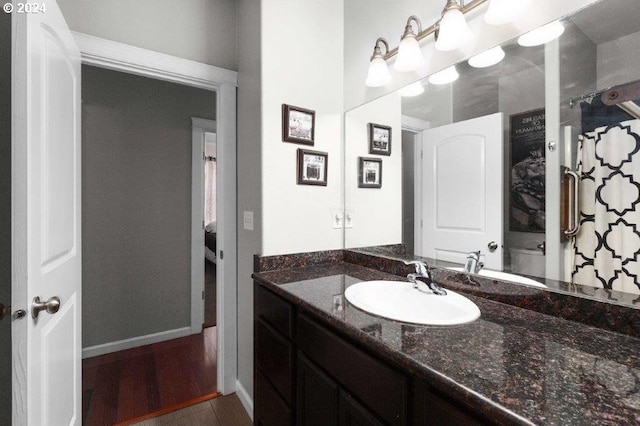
point(298, 124)
point(369, 172)
point(379, 139)
point(312, 167)
point(527, 194)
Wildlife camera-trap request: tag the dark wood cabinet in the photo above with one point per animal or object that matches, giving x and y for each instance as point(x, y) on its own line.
point(351, 413)
point(308, 374)
point(317, 403)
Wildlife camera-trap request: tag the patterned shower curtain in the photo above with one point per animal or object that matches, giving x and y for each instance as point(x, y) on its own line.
point(209, 191)
point(607, 248)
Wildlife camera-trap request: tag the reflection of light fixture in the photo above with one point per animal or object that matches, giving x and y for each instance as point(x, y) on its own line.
point(542, 35)
point(504, 11)
point(414, 89)
point(453, 31)
point(446, 76)
point(487, 58)
point(378, 74)
point(409, 55)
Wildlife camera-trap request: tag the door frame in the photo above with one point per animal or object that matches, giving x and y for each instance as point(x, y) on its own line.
point(122, 57)
point(416, 126)
point(199, 126)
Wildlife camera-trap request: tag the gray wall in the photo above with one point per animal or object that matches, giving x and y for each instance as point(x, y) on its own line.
point(136, 202)
point(249, 178)
point(5, 212)
point(200, 30)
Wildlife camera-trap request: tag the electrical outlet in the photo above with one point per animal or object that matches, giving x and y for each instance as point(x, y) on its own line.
point(248, 221)
point(337, 219)
point(348, 219)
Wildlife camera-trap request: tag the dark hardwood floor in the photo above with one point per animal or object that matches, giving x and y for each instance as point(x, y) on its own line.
point(209, 294)
point(139, 383)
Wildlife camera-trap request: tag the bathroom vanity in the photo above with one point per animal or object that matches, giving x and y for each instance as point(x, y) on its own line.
point(319, 360)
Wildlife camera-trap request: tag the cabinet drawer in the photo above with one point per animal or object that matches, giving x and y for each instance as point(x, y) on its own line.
point(270, 409)
point(274, 355)
point(432, 409)
point(274, 310)
point(381, 388)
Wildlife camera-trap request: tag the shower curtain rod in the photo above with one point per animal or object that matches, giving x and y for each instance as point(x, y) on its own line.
point(614, 95)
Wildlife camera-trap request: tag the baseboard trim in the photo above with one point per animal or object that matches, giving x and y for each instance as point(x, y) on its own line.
point(134, 342)
point(245, 399)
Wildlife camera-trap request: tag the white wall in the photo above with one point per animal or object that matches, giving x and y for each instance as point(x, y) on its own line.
point(366, 20)
point(200, 30)
point(302, 65)
point(376, 212)
point(618, 61)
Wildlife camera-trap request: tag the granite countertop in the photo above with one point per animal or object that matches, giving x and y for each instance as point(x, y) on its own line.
point(515, 365)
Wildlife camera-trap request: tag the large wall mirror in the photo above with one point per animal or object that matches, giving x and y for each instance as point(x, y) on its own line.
point(531, 161)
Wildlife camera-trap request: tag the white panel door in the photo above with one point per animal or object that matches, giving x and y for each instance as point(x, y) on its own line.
point(462, 190)
point(46, 239)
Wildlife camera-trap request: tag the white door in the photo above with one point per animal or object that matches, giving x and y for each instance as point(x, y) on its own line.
point(462, 190)
point(46, 241)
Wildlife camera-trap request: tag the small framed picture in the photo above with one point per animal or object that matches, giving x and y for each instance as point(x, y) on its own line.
point(298, 124)
point(379, 139)
point(312, 167)
point(369, 172)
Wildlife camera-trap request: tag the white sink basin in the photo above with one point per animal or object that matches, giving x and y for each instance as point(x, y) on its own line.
point(398, 300)
point(505, 276)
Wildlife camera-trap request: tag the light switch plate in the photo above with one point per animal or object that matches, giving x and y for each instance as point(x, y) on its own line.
point(337, 218)
point(248, 221)
point(348, 219)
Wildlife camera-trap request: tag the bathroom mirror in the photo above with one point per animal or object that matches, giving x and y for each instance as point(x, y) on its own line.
point(509, 159)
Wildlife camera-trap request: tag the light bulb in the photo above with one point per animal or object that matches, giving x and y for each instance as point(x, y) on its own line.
point(453, 32)
point(446, 76)
point(378, 74)
point(409, 54)
point(504, 11)
point(542, 35)
point(487, 58)
point(414, 89)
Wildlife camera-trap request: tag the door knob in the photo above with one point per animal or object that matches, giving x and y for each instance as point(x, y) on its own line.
point(51, 306)
point(492, 246)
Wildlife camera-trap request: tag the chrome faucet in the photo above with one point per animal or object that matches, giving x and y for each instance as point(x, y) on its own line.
point(473, 264)
point(422, 276)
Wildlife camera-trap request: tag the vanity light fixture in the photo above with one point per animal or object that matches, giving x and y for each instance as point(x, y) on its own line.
point(542, 35)
point(414, 89)
point(409, 54)
point(453, 31)
point(504, 11)
point(378, 74)
point(446, 76)
point(487, 58)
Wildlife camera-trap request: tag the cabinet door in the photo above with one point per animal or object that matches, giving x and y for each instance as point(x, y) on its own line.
point(317, 396)
point(270, 409)
point(274, 355)
point(351, 413)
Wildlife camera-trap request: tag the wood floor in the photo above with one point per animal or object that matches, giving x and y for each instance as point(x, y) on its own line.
point(131, 385)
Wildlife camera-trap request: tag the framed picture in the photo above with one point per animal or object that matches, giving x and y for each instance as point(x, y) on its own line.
point(369, 172)
point(527, 171)
point(298, 124)
point(312, 167)
point(379, 139)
